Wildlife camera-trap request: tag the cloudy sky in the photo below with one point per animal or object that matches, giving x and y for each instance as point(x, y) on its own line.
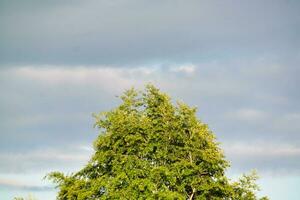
point(61, 61)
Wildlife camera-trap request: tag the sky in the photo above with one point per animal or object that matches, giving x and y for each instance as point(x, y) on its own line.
point(62, 60)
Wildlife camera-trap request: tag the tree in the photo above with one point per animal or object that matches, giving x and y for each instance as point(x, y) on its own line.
point(149, 148)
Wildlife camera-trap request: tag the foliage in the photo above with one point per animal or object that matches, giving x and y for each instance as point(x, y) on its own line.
point(149, 148)
point(30, 197)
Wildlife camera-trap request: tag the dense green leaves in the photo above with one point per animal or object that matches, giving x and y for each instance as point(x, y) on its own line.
point(149, 148)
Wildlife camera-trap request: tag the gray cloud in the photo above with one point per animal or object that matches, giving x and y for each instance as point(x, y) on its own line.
point(25, 187)
point(60, 61)
point(49, 107)
point(134, 32)
point(265, 156)
point(45, 159)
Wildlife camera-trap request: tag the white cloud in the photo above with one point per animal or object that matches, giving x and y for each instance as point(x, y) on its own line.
point(109, 78)
point(144, 71)
point(46, 155)
point(261, 149)
point(248, 114)
point(44, 159)
point(86, 148)
point(15, 184)
point(61, 74)
point(102, 75)
point(186, 69)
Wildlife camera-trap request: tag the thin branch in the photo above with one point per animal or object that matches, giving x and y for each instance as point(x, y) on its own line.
point(193, 193)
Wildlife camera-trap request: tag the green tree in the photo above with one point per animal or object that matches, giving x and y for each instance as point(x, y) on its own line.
point(149, 148)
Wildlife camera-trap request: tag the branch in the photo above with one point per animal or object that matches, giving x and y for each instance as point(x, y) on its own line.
point(192, 195)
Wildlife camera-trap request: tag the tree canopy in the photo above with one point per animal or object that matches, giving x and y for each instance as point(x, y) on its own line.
point(150, 148)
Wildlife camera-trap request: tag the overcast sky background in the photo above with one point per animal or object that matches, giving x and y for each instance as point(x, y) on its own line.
point(61, 61)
